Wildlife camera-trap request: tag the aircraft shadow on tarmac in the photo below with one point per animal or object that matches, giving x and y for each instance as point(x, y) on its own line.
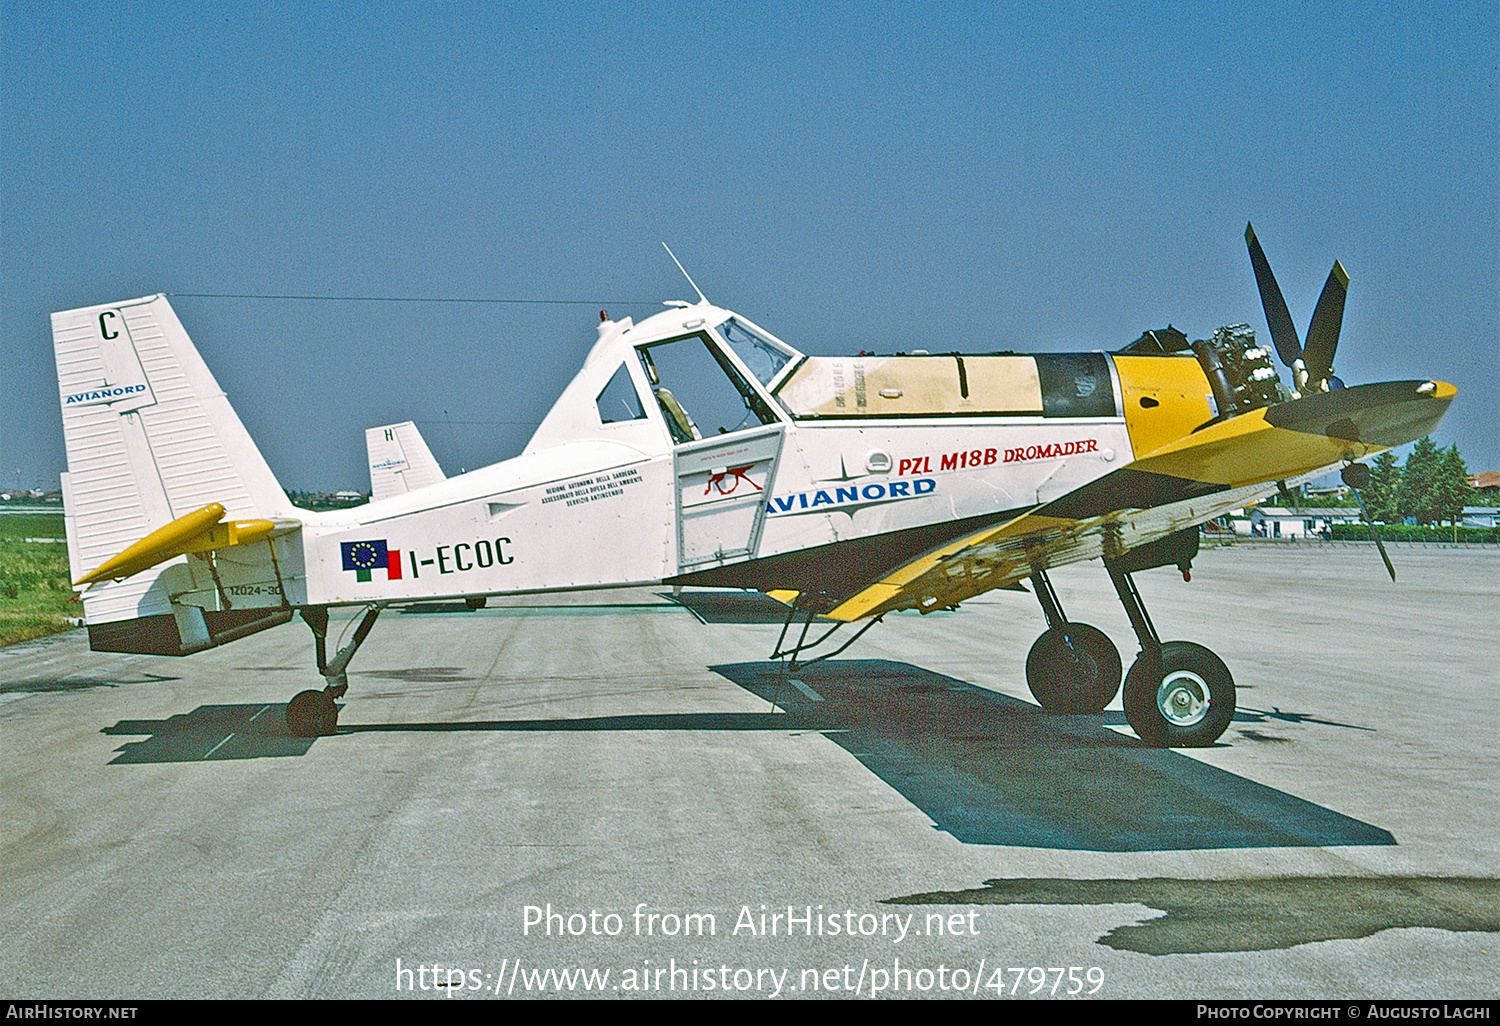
point(211, 733)
point(990, 769)
point(986, 768)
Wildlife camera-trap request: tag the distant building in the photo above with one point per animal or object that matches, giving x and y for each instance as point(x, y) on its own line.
point(1331, 483)
point(1308, 522)
point(30, 497)
point(328, 500)
point(1481, 516)
point(341, 500)
point(1486, 481)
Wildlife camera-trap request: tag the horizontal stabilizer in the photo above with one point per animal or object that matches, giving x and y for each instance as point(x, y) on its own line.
point(200, 531)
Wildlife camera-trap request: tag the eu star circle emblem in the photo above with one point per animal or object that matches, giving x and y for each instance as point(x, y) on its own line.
point(363, 555)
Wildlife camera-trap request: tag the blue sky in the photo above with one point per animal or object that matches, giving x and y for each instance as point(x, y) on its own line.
point(850, 176)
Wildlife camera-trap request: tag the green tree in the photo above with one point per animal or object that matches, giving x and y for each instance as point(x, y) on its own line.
point(1385, 480)
point(1417, 496)
point(1452, 492)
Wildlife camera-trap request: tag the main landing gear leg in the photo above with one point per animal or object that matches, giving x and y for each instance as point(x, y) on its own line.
point(1072, 667)
point(316, 713)
point(1177, 694)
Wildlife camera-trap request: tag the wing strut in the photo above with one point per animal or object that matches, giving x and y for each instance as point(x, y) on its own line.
point(1357, 476)
point(803, 645)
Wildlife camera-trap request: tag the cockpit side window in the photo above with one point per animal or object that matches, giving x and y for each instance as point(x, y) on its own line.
point(699, 391)
point(763, 357)
point(619, 402)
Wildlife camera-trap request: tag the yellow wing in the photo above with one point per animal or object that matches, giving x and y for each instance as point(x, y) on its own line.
point(1209, 472)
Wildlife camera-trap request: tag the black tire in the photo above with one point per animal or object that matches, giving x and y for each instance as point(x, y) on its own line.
point(1073, 669)
point(1188, 706)
point(312, 714)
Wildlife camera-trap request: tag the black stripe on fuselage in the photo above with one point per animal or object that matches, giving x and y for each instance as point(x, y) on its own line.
point(844, 568)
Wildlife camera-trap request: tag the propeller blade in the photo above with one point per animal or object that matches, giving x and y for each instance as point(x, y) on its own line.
point(1278, 319)
point(1374, 533)
point(1323, 333)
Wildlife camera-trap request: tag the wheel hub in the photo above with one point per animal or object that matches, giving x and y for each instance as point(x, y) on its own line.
point(1081, 669)
point(1183, 698)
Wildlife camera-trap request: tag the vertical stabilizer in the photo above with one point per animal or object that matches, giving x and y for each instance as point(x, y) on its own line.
point(150, 437)
point(400, 461)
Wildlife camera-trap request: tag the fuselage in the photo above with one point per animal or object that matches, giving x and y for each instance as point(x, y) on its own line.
point(696, 442)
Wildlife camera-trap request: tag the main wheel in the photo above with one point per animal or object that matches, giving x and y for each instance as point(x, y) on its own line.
point(1188, 706)
point(312, 714)
point(1073, 668)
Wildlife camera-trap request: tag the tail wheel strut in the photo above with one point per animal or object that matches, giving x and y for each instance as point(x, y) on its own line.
point(316, 713)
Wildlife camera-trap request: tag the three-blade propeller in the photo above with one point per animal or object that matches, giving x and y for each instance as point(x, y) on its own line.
point(1312, 366)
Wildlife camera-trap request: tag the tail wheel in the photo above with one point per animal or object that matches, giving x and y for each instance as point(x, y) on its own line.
point(1073, 668)
point(1188, 706)
point(312, 714)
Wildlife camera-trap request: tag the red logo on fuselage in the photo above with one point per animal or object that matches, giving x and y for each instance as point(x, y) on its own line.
point(968, 459)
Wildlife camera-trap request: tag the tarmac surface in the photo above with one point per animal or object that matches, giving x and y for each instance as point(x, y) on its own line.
point(523, 799)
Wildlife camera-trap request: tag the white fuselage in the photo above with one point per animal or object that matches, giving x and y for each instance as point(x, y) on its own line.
point(593, 503)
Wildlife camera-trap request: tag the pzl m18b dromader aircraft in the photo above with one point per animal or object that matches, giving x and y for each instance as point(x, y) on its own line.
point(697, 449)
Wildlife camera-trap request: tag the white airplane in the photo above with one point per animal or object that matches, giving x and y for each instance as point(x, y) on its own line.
point(696, 448)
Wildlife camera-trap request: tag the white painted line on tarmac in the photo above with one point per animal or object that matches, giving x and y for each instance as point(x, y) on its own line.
point(809, 692)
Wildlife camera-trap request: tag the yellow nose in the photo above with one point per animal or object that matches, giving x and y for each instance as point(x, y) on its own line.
point(1165, 398)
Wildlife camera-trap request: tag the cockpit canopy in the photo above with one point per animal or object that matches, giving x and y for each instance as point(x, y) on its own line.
point(710, 372)
point(1044, 384)
point(693, 373)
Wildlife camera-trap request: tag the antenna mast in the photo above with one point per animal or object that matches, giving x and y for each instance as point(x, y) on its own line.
point(701, 297)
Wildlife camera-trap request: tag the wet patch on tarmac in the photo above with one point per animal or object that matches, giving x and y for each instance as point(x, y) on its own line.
point(71, 682)
point(419, 674)
point(1254, 915)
